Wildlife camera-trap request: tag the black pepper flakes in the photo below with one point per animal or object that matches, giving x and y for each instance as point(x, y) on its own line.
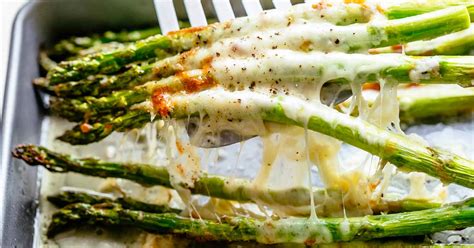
point(252, 85)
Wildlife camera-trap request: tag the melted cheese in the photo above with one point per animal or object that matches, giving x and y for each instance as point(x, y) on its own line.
point(305, 31)
point(276, 67)
point(184, 165)
point(322, 149)
point(337, 13)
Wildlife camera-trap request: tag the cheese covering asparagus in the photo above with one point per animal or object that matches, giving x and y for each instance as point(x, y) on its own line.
point(424, 26)
point(282, 70)
point(395, 148)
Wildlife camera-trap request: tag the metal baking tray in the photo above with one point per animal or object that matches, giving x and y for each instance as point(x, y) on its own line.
point(40, 23)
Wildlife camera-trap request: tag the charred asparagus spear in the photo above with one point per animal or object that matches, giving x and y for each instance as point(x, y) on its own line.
point(424, 26)
point(288, 230)
point(236, 189)
point(68, 197)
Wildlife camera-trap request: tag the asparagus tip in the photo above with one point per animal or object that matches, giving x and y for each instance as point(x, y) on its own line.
point(29, 153)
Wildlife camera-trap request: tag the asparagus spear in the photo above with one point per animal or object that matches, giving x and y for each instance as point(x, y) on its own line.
point(98, 85)
point(211, 185)
point(304, 68)
point(459, 43)
point(235, 189)
point(412, 8)
point(155, 46)
point(288, 230)
point(424, 26)
point(397, 149)
point(74, 45)
point(435, 102)
point(68, 197)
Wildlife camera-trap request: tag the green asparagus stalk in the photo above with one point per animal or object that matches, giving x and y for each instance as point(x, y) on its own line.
point(211, 185)
point(74, 45)
point(101, 84)
point(86, 133)
point(413, 108)
point(435, 102)
point(407, 154)
point(97, 42)
point(459, 43)
point(91, 107)
point(287, 230)
point(412, 8)
point(458, 70)
point(68, 197)
point(235, 189)
point(155, 46)
point(424, 26)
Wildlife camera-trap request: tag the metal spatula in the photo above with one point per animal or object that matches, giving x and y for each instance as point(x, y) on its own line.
point(168, 21)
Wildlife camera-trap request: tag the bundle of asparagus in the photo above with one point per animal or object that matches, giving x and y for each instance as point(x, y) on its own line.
point(270, 69)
